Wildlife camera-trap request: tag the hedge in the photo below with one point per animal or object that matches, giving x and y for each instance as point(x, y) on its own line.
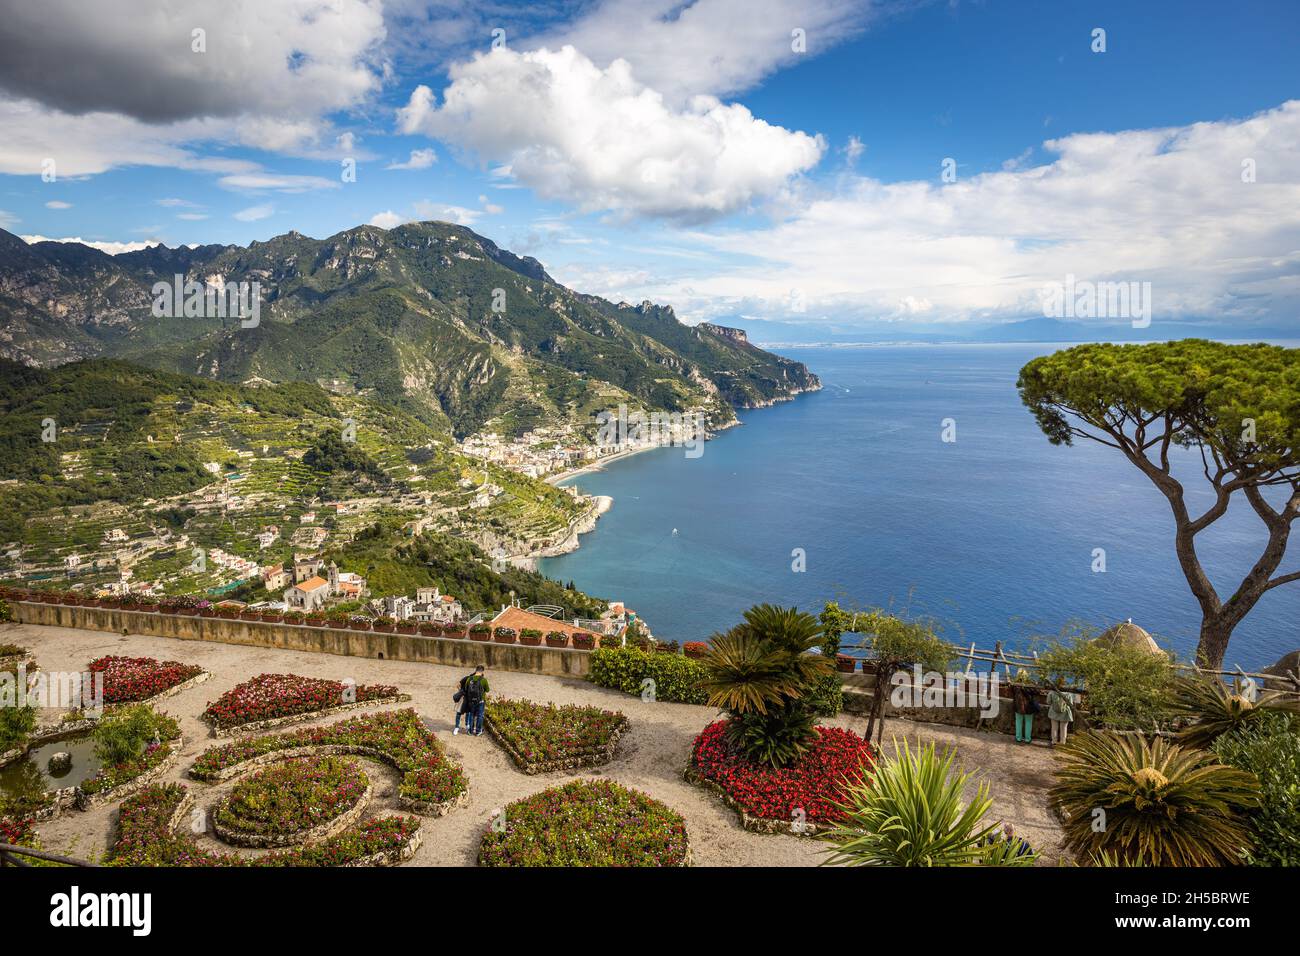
point(624, 668)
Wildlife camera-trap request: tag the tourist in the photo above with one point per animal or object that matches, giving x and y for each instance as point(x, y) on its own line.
point(461, 699)
point(1060, 711)
point(1026, 705)
point(476, 689)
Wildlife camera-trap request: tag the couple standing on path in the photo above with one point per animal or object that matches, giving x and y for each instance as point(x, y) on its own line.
point(472, 698)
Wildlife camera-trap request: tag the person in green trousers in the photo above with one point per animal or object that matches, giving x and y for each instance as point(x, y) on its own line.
point(1025, 704)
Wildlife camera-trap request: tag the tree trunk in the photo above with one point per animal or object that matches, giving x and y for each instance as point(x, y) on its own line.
point(1213, 645)
point(883, 673)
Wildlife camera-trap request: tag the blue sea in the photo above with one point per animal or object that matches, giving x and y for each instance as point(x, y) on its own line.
point(994, 534)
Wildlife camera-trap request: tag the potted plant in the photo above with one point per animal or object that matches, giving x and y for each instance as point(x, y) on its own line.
point(291, 617)
point(71, 599)
point(407, 627)
point(845, 664)
point(358, 623)
point(530, 636)
point(315, 619)
point(206, 609)
point(610, 640)
point(247, 615)
point(584, 642)
point(385, 625)
point(504, 635)
point(480, 632)
point(273, 617)
point(454, 632)
point(557, 639)
point(228, 613)
point(695, 649)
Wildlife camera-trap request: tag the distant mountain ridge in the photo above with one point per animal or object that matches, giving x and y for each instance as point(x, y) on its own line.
point(429, 317)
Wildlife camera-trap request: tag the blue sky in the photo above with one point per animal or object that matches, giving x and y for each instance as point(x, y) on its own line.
point(807, 189)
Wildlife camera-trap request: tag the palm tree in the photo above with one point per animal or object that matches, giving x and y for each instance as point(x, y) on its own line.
point(1151, 802)
point(910, 813)
point(1213, 709)
point(759, 673)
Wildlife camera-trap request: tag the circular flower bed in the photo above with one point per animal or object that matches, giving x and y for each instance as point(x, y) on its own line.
point(545, 737)
point(148, 835)
point(130, 679)
point(278, 696)
point(286, 801)
point(398, 738)
point(586, 823)
point(805, 791)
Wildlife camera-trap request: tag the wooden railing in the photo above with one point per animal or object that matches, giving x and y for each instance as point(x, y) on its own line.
point(11, 855)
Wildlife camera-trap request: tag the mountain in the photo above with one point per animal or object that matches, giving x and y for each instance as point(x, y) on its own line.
point(430, 318)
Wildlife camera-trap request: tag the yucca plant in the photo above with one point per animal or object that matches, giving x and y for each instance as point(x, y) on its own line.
point(1212, 709)
point(1152, 802)
point(910, 812)
point(760, 673)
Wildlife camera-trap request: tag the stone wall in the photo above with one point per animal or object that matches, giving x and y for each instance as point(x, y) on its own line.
point(553, 661)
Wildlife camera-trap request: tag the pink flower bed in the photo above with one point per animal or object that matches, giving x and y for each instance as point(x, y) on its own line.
point(271, 696)
point(128, 679)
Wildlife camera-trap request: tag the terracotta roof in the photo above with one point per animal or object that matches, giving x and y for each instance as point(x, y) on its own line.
point(311, 584)
point(520, 619)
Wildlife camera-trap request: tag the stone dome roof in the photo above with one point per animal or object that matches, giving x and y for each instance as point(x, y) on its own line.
point(1128, 636)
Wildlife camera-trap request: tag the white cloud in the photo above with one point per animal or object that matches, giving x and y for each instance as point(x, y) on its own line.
point(277, 182)
point(420, 159)
point(718, 47)
point(387, 219)
point(1166, 206)
point(254, 213)
point(853, 150)
point(192, 216)
point(602, 141)
point(112, 248)
point(58, 204)
point(8, 219)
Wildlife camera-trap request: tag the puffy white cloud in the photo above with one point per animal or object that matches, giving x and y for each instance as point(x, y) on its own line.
point(58, 204)
point(420, 159)
point(112, 248)
point(601, 140)
point(716, 47)
point(387, 219)
point(1168, 206)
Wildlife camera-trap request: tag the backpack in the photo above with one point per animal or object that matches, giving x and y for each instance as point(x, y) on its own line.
point(456, 697)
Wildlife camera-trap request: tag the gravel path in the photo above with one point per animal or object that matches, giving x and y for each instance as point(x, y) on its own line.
point(651, 757)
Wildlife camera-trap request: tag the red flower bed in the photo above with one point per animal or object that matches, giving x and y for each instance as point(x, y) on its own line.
point(269, 696)
point(813, 783)
point(129, 679)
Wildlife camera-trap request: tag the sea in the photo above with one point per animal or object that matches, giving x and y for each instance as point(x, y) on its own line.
point(915, 480)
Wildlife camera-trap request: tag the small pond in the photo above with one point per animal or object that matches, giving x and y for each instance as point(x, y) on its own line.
point(31, 774)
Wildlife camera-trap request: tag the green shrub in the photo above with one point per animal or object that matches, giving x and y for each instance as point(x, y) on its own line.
point(6, 612)
point(15, 724)
point(825, 698)
point(123, 735)
point(1269, 747)
point(624, 668)
point(1128, 688)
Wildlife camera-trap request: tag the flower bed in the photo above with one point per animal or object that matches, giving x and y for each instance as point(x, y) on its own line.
point(586, 823)
point(295, 801)
point(277, 697)
point(148, 836)
point(545, 737)
point(431, 782)
point(132, 679)
point(771, 800)
point(112, 781)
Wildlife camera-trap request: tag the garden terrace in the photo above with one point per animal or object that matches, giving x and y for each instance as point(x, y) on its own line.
point(272, 699)
point(544, 737)
point(432, 783)
point(800, 798)
point(149, 834)
point(586, 823)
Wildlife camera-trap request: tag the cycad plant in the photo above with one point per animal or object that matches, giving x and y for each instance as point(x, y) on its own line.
point(1151, 802)
point(760, 672)
point(1213, 709)
point(910, 812)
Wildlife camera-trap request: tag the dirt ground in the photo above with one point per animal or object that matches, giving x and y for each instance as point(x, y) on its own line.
point(651, 757)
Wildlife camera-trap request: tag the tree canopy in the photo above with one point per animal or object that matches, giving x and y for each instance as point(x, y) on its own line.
point(1237, 405)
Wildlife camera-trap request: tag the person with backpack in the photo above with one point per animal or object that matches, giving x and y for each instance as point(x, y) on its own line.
point(1025, 704)
point(473, 699)
point(1060, 711)
point(462, 709)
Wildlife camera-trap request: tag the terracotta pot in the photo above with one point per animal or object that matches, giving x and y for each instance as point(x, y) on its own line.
point(273, 618)
point(406, 629)
point(505, 638)
point(454, 634)
point(250, 616)
point(485, 636)
point(557, 642)
point(207, 612)
point(583, 643)
point(429, 630)
point(319, 622)
point(530, 641)
point(385, 628)
point(844, 664)
point(228, 615)
point(868, 667)
point(358, 625)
